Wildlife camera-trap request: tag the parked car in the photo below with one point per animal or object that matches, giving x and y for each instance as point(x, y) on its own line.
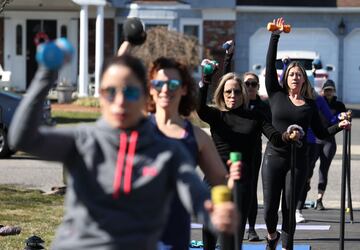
point(8, 104)
point(308, 59)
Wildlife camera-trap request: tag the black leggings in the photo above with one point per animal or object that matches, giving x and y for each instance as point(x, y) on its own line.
point(276, 181)
point(244, 192)
point(254, 183)
point(325, 150)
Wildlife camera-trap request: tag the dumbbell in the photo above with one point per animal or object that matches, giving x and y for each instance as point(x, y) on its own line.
point(209, 66)
point(54, 54)
point(134, 31)
point(272, 27)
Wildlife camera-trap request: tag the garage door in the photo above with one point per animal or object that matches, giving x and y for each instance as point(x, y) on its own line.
point(320, 40)
point(352, 67)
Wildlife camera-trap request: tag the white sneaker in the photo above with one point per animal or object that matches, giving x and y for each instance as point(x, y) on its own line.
point(299, 217)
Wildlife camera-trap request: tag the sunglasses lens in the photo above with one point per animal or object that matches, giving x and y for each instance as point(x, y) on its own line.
point(251, 83)
point(157, 84)
point(109, 93)
point(174, 84)
point(131, 93)
point(235, 91)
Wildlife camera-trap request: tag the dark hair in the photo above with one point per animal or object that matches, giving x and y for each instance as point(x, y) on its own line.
point(249, 73)
point(306, 89)
point(188, 101)
point(133, 63)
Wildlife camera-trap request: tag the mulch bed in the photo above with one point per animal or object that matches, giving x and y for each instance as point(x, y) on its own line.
point(73, 108)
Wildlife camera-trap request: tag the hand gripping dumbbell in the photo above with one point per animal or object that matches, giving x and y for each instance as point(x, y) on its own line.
point(272, 27)
point(55, 53)
point(134, 31)
point(209, 66)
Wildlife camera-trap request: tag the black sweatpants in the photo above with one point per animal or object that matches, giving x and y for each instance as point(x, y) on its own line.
point(276, 183)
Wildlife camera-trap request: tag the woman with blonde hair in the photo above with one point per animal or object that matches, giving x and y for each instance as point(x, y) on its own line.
point(233, 127)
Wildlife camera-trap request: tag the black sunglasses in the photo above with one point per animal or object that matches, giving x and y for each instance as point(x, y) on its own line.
point(229, 91)
point(172, 84)
point(253, 84)
point(131, 93)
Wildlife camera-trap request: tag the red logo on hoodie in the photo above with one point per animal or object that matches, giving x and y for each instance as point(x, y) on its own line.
point(149, 171)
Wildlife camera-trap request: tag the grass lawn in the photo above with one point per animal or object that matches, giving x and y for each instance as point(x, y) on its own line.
point(67, 117)
point(35, 213)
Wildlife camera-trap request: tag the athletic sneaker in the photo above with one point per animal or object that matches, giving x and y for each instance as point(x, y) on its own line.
point(271, 244)
point(252, 235)
point(319, 205)
point(299, 217)
point(9, 230)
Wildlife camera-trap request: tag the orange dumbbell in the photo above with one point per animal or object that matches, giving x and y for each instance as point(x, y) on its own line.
point(273, 27)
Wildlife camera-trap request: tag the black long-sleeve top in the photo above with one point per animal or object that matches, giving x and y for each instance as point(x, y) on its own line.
point(284, 112)
point(236, 130)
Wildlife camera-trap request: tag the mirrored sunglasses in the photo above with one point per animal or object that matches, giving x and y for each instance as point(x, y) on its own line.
point(130, 93)
point(172, 84)
point(253, 84)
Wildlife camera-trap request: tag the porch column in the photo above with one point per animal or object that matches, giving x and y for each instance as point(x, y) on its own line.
point(83, 55)
point(99, 47)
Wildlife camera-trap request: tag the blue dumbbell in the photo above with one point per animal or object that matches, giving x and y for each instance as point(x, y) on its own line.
point(55, 53)
point(226, 46)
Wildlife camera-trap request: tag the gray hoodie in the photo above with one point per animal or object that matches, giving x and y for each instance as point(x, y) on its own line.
point(109, 205)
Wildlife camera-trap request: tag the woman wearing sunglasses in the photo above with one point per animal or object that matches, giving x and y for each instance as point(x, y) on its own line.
point(121, 174)
point(173, 92)
point(235, 127)
point(251, 81)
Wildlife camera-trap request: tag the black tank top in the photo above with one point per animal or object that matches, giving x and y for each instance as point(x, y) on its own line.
point(189, 140)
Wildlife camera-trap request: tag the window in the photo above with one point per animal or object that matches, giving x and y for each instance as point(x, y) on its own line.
point(153, 25)
point(191, 30)
point(193, 27)
point(19, 40)
point(63, 31)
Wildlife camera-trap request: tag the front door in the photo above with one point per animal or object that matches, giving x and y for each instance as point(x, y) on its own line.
point(14, 52)
point(37, 31)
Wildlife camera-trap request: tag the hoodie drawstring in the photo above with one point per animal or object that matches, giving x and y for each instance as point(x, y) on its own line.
point(120, 163)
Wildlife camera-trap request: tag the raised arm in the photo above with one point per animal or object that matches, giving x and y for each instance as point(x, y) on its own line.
point(271, 78)
point(228, 57)
point(27, 134)
point(206, 113)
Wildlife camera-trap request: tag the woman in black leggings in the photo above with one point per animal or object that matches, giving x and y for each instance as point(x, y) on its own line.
point(233, 127)
point(291, 103)
point(251, 81)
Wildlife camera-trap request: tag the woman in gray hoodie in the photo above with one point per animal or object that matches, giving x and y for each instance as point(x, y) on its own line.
point(121, 174)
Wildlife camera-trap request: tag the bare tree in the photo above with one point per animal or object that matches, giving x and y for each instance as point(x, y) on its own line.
point(3, 4)
point(162, 42)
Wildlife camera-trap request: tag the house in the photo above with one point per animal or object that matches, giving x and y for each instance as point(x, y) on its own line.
point(331, 28)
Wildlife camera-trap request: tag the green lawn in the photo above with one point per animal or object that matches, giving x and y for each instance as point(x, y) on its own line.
point(65, 117)
point(35, 213)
